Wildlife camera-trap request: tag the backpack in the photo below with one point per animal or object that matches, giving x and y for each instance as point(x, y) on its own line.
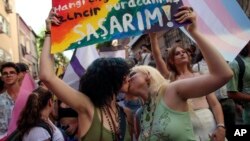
point(242, 68)
point(16, 135)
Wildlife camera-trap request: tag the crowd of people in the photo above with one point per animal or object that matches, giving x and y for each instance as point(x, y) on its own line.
point(175, 98)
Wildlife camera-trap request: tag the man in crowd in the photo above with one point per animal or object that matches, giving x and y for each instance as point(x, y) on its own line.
point(10, 77)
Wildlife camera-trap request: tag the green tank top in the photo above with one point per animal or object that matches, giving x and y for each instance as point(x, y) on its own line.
point(96, 129)
point(166, 125)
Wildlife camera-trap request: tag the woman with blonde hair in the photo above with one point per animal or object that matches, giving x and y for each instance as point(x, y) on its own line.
point(207, 114)
point(166, 107)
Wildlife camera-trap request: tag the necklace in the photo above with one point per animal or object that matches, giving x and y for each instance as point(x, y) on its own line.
point(115, 130)
point(117, 115)
point(147, 118)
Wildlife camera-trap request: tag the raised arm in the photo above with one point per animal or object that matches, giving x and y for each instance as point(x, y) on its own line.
point(160, 63)
point(215, 106)
point(64, 92)
point(219, 71)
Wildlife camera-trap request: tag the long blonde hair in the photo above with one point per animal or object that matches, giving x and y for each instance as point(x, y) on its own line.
point(157, 81)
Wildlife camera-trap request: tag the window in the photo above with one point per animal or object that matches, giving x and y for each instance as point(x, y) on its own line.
point(24, 50)
point(8, 6)
point(4, 25)
point(4, 56)
point(27, 47)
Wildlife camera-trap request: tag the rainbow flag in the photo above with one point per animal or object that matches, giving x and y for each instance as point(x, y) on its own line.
point(86, 22)
point(223, 23)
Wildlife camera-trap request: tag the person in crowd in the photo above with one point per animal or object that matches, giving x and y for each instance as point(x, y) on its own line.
point(192, 53)
point(9, 72)
point(227, 104)
point(53, 115)
point(166, 107)
point(37, 109)
point(145, 55)
point(99, 116)
point(2, 86)
point(239, 88)
point(41, 84)
point(131, 104)
point(179, 66)
point(23, 70)
point(204, 119)
point(67, 121)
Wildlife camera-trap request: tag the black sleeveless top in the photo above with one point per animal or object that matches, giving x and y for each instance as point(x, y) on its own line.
point(66, 112)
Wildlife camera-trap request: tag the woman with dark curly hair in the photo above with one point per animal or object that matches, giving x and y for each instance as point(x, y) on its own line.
point(36, 112)
point(99, 116)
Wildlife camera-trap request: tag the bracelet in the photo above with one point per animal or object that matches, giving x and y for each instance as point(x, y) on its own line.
point(221, 125)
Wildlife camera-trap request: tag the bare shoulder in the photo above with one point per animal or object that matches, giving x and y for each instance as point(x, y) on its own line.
point(171, 89)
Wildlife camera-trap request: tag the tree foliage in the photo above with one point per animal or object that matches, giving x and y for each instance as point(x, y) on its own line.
point(60, 58)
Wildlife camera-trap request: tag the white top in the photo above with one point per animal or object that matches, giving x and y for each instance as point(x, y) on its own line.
point(41, 134)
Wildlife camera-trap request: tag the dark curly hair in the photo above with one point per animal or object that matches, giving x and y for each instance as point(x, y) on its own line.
point(103, 79)
point(9, 65)
point(31, 113)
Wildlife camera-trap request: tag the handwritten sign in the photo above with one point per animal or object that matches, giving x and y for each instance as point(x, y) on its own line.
point(86, 22)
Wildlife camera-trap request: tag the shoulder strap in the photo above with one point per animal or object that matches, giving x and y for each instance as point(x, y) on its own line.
point(122, 123)
point(46, 127)
point(241, 72)
point(16, 135)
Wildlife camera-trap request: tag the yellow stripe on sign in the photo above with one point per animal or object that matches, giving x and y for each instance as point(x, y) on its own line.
point(84, 27)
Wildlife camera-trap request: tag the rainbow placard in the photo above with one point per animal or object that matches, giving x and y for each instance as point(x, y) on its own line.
point(86, 22)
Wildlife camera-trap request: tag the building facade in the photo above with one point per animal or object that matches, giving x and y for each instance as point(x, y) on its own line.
point(8, 32)
point(27, 46)
point(17, 39)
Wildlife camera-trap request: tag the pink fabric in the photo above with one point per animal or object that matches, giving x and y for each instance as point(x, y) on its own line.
point(223, 23)
point(3, 139)
point(27, 86)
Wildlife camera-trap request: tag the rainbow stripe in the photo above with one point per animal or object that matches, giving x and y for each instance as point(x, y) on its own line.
point(104, 20)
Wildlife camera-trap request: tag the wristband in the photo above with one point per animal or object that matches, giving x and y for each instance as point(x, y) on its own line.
point(221, 125)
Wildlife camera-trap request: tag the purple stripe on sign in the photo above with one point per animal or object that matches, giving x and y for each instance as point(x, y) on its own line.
point(76, 65)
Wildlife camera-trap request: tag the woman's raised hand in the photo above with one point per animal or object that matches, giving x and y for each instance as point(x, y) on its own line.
point(52, 20)
point(187, 14)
